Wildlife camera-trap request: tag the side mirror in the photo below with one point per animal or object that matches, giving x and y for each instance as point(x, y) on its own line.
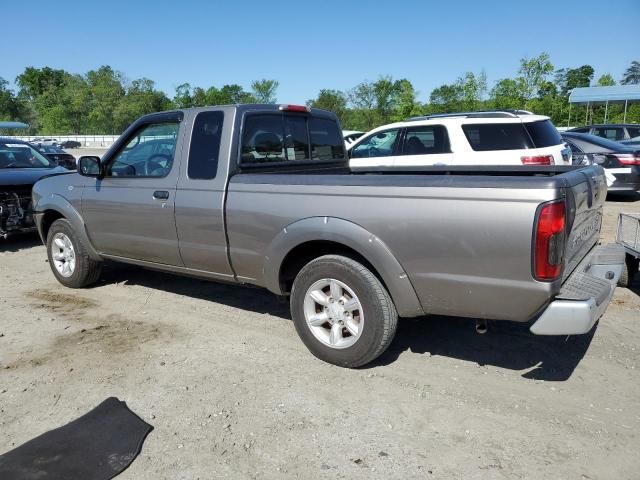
point(90, 166)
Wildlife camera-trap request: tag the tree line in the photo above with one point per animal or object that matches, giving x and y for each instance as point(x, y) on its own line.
point(104, 101)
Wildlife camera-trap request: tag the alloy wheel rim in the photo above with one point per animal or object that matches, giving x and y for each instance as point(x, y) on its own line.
point(63, 255)
point(333, 313)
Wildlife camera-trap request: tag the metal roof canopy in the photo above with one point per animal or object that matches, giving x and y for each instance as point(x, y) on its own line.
point(615, 94)
point(13, 125)
point(604, 95)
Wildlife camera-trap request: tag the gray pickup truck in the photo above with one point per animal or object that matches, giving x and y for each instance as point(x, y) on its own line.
point(263, 195)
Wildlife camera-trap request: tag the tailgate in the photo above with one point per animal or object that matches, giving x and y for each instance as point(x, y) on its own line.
point(586, 191)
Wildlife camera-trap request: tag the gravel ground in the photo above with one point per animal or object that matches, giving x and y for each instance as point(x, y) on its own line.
point(232, 393)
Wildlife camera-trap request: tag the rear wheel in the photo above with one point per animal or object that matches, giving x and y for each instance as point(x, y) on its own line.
point(68, 257)
point(629, 270)
point(342, 312)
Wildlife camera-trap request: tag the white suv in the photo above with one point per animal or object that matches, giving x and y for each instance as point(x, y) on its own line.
point(474, 138)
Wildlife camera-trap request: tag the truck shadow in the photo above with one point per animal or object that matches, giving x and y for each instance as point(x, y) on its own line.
point(241, 297)
point(506, 345)
point(19, 241)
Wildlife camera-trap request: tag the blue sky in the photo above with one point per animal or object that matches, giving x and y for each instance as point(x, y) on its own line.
point(308, 45)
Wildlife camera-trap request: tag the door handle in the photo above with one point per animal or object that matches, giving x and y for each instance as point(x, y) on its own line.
point(161, 195)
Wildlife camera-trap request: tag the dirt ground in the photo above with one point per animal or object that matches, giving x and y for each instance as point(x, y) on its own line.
point(232, 393)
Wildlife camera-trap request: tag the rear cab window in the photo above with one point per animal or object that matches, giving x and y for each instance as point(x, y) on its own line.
point(284, 138)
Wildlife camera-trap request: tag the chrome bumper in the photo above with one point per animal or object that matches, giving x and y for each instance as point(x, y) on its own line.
point(585, 295)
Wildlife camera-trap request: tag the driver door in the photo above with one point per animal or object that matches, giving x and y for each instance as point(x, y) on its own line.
point(130, 212)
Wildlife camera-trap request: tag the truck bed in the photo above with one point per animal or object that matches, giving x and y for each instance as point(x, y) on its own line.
point(462, 234)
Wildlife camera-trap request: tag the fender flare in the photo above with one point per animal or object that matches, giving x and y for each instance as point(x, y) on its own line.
point(347, 233)
point(61, 205)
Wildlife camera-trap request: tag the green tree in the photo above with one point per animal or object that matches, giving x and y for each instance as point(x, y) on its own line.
point(631, 74)
point(9, 105)
point(606, 80)
point(228, 95)
point(141, 98)
point(533, 72)
point(265, 90)
point(507, 94)
point(363, 99)
point(106, 90)
point(446, 98)
point(183, 98)
point(406, 101)
point(198, 97)
point(34, 82)
point(473, 88)
point(332, 100)
point(569, 78)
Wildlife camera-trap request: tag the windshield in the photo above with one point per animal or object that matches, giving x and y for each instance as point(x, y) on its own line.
point(20, 155)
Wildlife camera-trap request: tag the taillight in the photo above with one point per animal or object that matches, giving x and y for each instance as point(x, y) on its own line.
point(549, 241)
point(627, 158)
point(537, 160)
point(294, 108)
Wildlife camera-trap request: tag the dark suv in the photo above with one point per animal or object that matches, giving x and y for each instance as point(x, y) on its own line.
point(614, 131)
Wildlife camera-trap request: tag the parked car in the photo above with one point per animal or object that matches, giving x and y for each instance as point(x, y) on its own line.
point(69, 144)
point(351, 136)
point(21, 166)
point(472, 138)
point(612, 131)
point(38, 142)
point(262, 195)
point(58, 156)
point(621, 161)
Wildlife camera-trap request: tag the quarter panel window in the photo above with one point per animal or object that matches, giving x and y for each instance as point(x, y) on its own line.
point(497, 136)
point(149, 153)
point(205, 146)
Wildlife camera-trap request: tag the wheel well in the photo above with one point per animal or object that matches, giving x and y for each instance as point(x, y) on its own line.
point(305, 252)
point(49, 217)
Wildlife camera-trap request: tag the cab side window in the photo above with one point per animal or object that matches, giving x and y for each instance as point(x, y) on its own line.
point(381, 144)
point(148, 154)
point(204, 150)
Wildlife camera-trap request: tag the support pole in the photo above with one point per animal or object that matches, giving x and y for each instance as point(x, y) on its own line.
point(586, 117)
point(606, 111)
point(569, 120)
point(625, 111)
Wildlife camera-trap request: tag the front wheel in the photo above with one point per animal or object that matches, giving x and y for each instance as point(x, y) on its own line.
point(68, 258)
point(342, 312)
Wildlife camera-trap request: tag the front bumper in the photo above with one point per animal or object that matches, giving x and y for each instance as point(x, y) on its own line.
point(585, 295)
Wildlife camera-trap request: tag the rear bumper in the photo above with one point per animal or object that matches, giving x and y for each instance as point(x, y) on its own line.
point(585, 295)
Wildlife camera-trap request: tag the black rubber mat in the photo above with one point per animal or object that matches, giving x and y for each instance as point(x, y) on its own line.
point(97, 446)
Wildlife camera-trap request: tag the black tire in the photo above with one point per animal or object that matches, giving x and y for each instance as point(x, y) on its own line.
point(381, 317)
point(87, 271)
point(629, 270)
